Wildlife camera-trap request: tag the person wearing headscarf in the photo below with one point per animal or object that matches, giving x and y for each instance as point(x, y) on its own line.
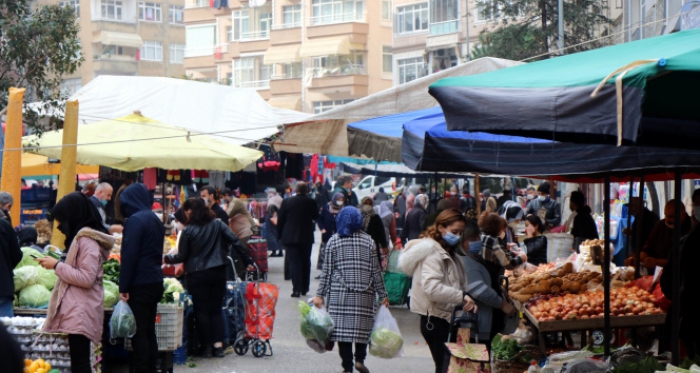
point(386, 213)
point(584, 226)
point(27, 238)
point(326, 223)
point(321, 195)
point(513, 213)
point(76, 307)
point(372, 225)
point(415, 219)
point(380, 196)
point(491, 205)
point(410, 203)
point(350, 284)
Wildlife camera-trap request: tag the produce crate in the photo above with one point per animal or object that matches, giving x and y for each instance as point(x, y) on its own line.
point(169, 326)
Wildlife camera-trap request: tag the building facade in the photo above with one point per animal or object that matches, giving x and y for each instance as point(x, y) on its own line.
point(127, 37)
point(306, 55)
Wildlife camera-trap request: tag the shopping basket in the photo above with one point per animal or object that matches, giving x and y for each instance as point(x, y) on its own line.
point(234, 307)
point(261, 299)
point(462, 355)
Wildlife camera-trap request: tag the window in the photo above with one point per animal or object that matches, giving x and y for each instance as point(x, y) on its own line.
point(112, 9)
point(291, 16)
point(387, 60)
point(444, 16)
point(323, 106)
point(339, 65)
point(252, 24)
point(291, 70)
point(485, 11)
point(75, 4)
point(70, 86)
point(229, 33)
point(201, 40)
point(336, 11)
point(177, 53)
point(386, 10)
point(150, 12)
point(176, 14)
point(410, 69)
point(411, 18)
point(152, 51)
point(251, 72)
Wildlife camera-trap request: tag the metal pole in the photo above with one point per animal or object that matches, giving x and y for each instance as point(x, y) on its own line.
point(639, 222)
point(606, 268)
point(675, 257)
point(561, 27)
point(628, 240)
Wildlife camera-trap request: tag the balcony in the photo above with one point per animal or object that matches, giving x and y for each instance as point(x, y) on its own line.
point(338, 18)
point(285, 35)
point(191, 4)
point(356, 30)
point(210, 50)
point(285, 85)
point(254, 84)
point(446, 27)
point(339, 70)
point(115, 65)
point(350, 79)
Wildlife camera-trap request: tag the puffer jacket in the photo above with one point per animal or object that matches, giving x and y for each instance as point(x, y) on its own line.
point(439, 279)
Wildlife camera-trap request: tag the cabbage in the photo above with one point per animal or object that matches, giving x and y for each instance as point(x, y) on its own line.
point(316, 324)
point(25, 276)
point(27, 260)
point(47, 278)
point(385, 343)
point(110, 298)
point(35, 296)
point(170, 286)
point(16, 302)
point(110, 286)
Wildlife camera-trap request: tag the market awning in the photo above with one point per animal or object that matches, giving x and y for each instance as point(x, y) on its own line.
point(289, 102)
point(134, 142)
point(38, 165)
point(282, 54)
point(119, 38)
point(334, 46)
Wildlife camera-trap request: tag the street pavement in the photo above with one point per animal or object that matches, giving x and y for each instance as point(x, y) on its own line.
point(291, 354)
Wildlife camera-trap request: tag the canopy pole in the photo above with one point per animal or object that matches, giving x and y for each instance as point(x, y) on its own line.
point(639, 221)
point(68, 159)
point(606, 268)
point(12, 155)
point(628, 240)
point(676, 258)
point(477, 192)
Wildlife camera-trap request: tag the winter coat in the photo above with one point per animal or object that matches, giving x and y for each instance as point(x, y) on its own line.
point(77, 300)
point(550, 214)
point(439, 280)
point(351, 282)
point(584, 227)
point(295, 221)
point(240, 220)
point(322, 198)
point(389, 222)
point(536, 250)
point(142, 245)
point(10, 256)
point(413, 226)
point(495, 250)
point(487, 299)
point(327, 221)
point(220, 213)
point(690, 285)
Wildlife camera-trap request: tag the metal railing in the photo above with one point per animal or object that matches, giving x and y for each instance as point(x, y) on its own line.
point(339, 70)
point(255, 84)
point(255, 35)
point(208, 50)
point(285, 76)
point(286, 25)
point(338, 18)
point(446, 27)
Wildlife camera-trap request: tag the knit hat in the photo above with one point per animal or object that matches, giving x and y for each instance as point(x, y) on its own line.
point(544, 188)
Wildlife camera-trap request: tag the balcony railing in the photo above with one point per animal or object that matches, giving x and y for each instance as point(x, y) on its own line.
point(196, 4)
point(286, 25)
point(209, 50)
point(255, 84)
point(285, 76)
point(255, 35)
point(447, 27)
point(338, 18)
point(339, 70)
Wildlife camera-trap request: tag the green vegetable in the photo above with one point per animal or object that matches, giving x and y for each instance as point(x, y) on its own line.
point(110, 286)
point(504, 350)
point(27, 259)
point(25, 276)
point(110, 299)
point(648, 365)
point(54, 371)
point(47, 278)
point(122, 323)
point(111, 270)
point(34, 296)
point(305, 329)
point(385, 343)
point(315, 323)
point(170, 286)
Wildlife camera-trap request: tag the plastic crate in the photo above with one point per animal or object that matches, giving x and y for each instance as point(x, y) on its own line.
point(180, 355)
point(169, 326)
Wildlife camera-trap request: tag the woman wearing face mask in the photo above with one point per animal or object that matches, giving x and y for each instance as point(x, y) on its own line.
point(513, 213)
point(439, 280)
point(372, 225)
point(326, 223)
point(494, 247)
point(535, 242)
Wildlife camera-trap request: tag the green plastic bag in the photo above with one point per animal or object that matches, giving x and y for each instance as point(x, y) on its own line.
point(397, 285)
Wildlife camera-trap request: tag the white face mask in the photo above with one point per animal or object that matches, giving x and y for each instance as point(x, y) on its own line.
point(339, 203)
point(696, 213)
point(542, 198)
point(530, 196)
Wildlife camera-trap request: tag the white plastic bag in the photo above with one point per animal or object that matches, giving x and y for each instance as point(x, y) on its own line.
point(386, 340)
point(122, 324)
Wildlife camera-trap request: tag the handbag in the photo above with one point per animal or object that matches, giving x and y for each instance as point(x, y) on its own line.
point(511, 323)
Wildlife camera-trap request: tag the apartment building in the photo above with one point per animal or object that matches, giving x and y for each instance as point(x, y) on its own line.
point(127, 37)
point(306, 55)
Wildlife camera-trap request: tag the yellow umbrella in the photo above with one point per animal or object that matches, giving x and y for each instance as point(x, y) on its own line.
point(134, 142)
point(38, 165)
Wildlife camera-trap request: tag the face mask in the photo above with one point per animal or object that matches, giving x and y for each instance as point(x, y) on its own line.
point(542, 198)
point(366, 208)
point(530, 196)
point(451, 238)
point(104, 202)
point(339, 203)
point(696, 213)
point(475, 247)
point(670, 226)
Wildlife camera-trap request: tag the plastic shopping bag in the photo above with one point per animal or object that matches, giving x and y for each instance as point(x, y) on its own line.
point(386, 340)
point(316, 327)
point(122, 324)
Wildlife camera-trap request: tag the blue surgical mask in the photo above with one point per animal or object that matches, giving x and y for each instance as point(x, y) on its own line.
point(104, 202)
point(451, 238)
point(475, 247)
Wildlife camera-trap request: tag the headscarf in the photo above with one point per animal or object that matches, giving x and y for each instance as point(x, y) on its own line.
point(332, 207)
point(348, 221)
point(367, 212)
point(27, 236)
point(410, 202)
point(74, 212)
point(386, 208)
point(512, 211)
point(422, 201)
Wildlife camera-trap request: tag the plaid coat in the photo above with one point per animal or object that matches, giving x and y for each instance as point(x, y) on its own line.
point(351, 282)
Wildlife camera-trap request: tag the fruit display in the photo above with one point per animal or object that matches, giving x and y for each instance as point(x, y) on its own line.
point(37, 366)
point(44, 352)
point(630, 301)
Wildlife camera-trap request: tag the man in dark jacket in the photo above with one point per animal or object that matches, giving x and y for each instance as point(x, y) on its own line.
point(644, 219)
point(295, 229)
point(322, 195)
point(10, 256)
point(141, 276)
point(6, 202)
point(545, 207)
point(584, 227)
point(208, 194)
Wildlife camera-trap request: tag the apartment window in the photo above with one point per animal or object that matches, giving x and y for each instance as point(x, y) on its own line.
point(291, 16)
point(485, 11)
point(252, 24)
point(387, 59)
point(323, 106)
point(75, 4)
point(251, 72)
point(292, 70)
point(386, 10)
point(112, 9)
point(444, 16)
point(339, 65)
point(411, 18)
point(177, 53)
point(152, 51)
point(201, 40)
point(229, 33)
point(336, 11)
point(410, 69)
point(177, 15)
point(70, 86)
point(150, 12)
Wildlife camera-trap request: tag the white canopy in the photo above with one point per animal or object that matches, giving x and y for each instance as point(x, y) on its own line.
point(235, 115)
point(326, 133)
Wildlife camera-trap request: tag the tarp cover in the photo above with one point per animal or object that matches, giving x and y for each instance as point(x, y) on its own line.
point(326, 133)
point(235, 115)
point(551, 99)
point(38, 165)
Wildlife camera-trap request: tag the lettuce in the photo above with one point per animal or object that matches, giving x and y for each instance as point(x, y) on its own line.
point(34, 296)
point(27, 259)
point(385, 343)
point(46, 278)
point(25, 276)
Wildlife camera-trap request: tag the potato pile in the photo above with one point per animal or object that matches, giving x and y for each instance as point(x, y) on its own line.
point(561, 280)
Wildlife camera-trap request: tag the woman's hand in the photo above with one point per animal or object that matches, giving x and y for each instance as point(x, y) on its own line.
point(47, 262)
point(469, 304)
point(507, 308)
point(523, 256)
point(251, 268)
point(385, 302)
point(318, 301)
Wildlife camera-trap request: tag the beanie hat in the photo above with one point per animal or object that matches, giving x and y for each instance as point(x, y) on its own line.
point(544, 188)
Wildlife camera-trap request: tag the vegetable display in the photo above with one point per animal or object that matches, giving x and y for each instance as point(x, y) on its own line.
point(646, 365)
point(34, 296)
point(27, 259)
point(111, 270)
point(25, 276)
point(170, 286)
point(111, 293)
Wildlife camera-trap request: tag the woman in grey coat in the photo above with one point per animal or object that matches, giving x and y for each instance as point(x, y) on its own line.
point(351, 281)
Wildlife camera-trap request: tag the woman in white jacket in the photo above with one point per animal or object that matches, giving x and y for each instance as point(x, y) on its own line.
point(439, 280)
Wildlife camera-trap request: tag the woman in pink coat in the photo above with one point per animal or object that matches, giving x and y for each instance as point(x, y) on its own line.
point(76, 307)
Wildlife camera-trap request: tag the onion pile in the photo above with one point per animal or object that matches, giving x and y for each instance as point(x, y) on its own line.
point(623, 302)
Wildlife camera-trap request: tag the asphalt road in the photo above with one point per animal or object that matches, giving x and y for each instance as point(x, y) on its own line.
point(291, 354)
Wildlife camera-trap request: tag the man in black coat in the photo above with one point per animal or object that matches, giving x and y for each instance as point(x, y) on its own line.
point(10, 256)
point(295, 229)
point(208, 194)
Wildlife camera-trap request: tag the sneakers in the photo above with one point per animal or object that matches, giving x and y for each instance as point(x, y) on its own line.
point(218, 352)
point(228, 350)
point(361, 368)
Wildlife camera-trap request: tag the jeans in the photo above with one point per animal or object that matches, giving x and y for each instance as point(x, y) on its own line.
point(143, 300)
point(345, 351)
point(208, 288)
point(6, 306)
point(79, 353)
point(300, 267)
point(436, 338)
